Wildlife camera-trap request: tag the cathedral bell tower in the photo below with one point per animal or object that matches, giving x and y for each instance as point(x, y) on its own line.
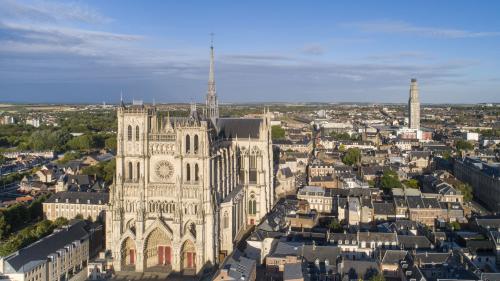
point(212, 105)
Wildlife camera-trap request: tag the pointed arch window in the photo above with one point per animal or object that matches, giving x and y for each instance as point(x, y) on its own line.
point(252, 205)
point(196, 173)
point(196, 144)
point(253, 170)
point(188, 144)
point(138, 170)
point(226, 220)
point(188, 172)
point(137, 133)
point(130, 172)
point(129, 133)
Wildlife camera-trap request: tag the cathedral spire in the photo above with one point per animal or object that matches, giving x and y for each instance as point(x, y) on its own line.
point(212, 106)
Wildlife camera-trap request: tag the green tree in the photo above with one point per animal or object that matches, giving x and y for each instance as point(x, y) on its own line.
point(378, 277)
point(466, 191)
point(60, 221)
point(277, 133)
point(70, 155)
point(411, 183)
point(340, 136)
point(342, 148)
point(4, 226)
point(352, 156)
point(110, 143)
point(463, 145)
point(454, 226)
point(335, 225)
point(390, 180)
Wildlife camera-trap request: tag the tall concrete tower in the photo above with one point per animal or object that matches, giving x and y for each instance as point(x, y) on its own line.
point(414, 106)
point(212, 106)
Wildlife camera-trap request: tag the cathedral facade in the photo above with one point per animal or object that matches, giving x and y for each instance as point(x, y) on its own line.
point(186, 188)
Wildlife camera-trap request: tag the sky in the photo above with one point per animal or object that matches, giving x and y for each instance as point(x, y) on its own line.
point(265, 51)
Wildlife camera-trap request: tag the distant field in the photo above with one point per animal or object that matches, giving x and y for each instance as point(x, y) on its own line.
point(34, 107)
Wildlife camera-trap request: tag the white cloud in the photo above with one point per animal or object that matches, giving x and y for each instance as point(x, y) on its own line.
point(314, 49)
point(50, 11)
point(406, 28)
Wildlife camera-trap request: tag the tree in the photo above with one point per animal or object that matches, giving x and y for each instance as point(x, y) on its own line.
point(466, 191)
point(60, 221)
point(335, 225)
point(411, 183)
point(79, 217)
point(378, 277)
point(463, 145)
point(4, 227)
point(277, 133)
point(454, 226)
point(110, 143)
point(352, 156)
point(340, 136)
point(70, 155)
point(390, 180)
point(2, 159)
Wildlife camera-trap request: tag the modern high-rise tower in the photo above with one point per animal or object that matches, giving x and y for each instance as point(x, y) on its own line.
point(414, 106)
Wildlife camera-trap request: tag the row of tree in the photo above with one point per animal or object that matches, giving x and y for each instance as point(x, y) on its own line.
point(29, 235)
point(19, 215)
point(98, 129)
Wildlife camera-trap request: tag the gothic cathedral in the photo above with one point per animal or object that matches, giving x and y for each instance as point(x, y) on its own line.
point(186, 188)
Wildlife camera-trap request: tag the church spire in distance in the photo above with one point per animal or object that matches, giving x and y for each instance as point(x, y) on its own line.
point(212, 106)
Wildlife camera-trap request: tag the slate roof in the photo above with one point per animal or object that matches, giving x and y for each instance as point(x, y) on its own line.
point(394, 256)
point(410, 242)
point(377, 237)
point(431, 258)
point(36, 253)
point(239, 267)
point(384, 208)
point(240, 127)
point(293, 271)
point(80, 198)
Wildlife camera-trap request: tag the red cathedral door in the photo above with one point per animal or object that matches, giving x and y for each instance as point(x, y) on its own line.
point(168, 257)
point(191, 263)
point(132, 256)
point(164, 255)
point(161, 251)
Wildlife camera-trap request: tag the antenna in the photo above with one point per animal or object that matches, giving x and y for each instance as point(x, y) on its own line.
point(212, 39)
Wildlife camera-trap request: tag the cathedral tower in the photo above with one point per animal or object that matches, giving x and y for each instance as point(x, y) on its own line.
point(212, 106)
point(414, 106)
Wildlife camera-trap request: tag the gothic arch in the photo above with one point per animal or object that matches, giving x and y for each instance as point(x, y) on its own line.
point(196, 144)
point(188, 172)
point(128, 252)
point(137, 133)
point(188, 144)
point(188, 256)
point(157, 248)
point(129, 133)
point(190, 229)
point(196, 172)
point(130, 172)
point(158, 223)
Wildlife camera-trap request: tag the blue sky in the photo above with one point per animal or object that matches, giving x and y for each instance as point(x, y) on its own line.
point(330, 51)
